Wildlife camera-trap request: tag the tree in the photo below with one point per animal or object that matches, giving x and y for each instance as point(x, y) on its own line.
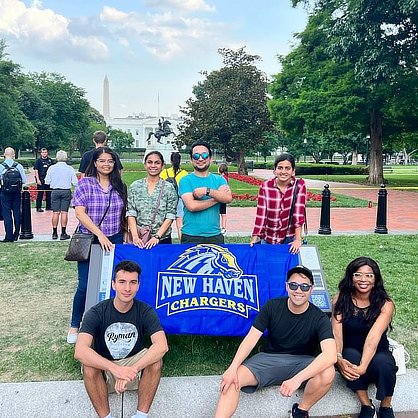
point(379, 39)
point(71, 109)
point(229, 108)
point(317, 99)
point(120, 140)
point(15, 129)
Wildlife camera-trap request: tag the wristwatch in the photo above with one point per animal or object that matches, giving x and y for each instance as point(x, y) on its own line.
point(157, 236)
point(207, 191)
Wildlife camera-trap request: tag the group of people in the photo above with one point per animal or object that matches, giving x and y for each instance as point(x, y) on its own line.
point(114, 357)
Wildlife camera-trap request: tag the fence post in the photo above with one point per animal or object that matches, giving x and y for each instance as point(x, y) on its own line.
point(381, 211)
point(26, 224)
point(325, 226)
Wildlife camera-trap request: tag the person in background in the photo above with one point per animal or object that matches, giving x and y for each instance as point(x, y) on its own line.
point(362, 313)
point(143, 200)
point(60, 177)
point(99, 140)
point(12, 178)
point(173, 175)
point(100, 201)
point(40, 169)
point(223, 171)
point(273, 223)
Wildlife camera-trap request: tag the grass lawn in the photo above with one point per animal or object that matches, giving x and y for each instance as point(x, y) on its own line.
point(38, 287)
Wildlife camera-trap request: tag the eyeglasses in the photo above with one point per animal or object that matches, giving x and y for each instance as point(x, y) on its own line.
point(305, 287)
point(368, 276)
point(111, 162)
point(204, 155)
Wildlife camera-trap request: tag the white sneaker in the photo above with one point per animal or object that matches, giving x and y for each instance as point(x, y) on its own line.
point(223, 231)
point(72, 338)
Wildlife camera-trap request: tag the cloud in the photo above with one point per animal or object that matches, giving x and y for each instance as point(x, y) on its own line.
point(185, 5)
point(44, 33)
point(166, 35)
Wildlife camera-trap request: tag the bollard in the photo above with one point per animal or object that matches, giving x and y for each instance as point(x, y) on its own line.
point(26, 224)
point(381, 211)
point(325, 226)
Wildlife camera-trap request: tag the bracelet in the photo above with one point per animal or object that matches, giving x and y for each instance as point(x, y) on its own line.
point(339, 355)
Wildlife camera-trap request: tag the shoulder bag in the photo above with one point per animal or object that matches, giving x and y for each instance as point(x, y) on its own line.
point(145, 232)
point(80, 244)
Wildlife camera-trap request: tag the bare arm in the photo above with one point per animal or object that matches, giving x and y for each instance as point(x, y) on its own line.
point(37, 179)
point(374, 336)
point(230, 376)
point(194, 205)
point(85, 220)
point(326, 359)
point(222, 194)
point(87, 356)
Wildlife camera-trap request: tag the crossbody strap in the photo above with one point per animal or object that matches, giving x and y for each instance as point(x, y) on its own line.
point(158, 202)
point(108, 206)
point(292, 208)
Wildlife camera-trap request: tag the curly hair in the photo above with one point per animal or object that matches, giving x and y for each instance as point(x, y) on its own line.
point(114, 178)
point(378, 295)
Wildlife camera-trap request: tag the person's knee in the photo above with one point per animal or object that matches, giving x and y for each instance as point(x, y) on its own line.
point(327, 376)
point(91, 373)
point(154, 368)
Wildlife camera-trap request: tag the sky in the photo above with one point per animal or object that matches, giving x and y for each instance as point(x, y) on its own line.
point(151, 50)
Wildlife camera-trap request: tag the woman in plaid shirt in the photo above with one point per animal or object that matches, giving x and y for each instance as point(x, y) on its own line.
point(272, 223)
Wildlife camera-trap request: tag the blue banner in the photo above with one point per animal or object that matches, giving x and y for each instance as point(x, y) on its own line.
point(209, 289)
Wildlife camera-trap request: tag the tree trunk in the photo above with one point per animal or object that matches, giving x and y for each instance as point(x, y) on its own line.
point(354, 157)
point(376, 148)
point(242, 168)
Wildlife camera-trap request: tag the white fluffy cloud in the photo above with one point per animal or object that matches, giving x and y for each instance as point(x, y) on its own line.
point(186, 5)
point(42, 31)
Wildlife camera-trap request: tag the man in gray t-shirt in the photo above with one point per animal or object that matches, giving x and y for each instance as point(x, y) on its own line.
point(296, 328)
point(111, 349)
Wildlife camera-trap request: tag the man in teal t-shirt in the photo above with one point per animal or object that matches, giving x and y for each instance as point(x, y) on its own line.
point(202, 192)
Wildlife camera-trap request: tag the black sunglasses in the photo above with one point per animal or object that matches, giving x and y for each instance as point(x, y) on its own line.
point(305, 287)
point(204, 155)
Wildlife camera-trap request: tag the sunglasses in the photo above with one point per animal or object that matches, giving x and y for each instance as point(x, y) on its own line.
point(305, 287)
point(204, 155)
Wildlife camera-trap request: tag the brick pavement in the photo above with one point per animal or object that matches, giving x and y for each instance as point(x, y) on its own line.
point(402, 213)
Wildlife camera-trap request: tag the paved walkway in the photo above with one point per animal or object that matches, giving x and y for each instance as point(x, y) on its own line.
point(402, 213)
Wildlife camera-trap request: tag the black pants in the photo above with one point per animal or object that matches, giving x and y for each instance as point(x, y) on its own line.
point(195, 239)
point(381, 371)
point(41, 190)
point(11, 203)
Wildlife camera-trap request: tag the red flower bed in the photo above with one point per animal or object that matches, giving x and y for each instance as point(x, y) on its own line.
point(245, 196)
point(32, 191)
point(246, 179)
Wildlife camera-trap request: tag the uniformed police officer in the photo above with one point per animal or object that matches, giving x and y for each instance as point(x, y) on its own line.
point(41, 167)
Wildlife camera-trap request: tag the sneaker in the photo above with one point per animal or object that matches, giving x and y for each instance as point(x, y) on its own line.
point(299, 413)
point(223, 231)
point(64, 236)
point(54, 235)
point(72, 338)
point(39, 210)
point(386, 412)
point(367, 411)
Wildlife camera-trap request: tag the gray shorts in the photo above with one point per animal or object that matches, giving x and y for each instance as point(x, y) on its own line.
point(60, 200)
point(271, 369)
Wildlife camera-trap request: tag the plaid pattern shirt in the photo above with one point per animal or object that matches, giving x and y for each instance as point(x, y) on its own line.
point(273, 210)
point(91, 195)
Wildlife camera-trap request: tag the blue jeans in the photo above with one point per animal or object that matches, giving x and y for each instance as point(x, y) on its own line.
point(79, 302)
point(288, 240)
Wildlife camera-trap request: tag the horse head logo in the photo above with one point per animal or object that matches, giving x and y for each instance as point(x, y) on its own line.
point(208, 259)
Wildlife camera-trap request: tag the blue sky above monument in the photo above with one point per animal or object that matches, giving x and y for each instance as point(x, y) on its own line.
point(148, 48)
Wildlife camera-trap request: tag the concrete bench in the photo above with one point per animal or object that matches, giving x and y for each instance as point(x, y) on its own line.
point(186, 397)
point(387, 168)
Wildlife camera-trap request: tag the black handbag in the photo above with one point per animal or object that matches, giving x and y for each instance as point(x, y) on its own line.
point(80, 244)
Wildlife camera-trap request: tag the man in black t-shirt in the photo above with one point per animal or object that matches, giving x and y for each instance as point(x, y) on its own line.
point(40, 168)
point(111, 345)
point(296, 329)
point(99, 140)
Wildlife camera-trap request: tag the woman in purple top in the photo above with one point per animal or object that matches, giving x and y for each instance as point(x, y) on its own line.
point(101, 196)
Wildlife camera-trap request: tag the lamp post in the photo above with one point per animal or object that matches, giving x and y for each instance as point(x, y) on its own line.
point(305, 143)
point(367, 149)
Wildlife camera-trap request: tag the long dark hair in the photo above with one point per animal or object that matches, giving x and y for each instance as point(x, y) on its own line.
point(175, 159)
point(378, 296)
point(115, 179)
